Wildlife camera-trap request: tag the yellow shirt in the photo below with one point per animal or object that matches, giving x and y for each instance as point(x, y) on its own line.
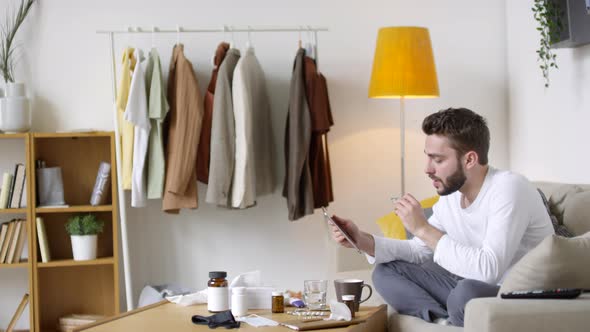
point(126, 127)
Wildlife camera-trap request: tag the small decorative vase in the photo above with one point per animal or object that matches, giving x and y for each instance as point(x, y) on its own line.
point(84, 247)
point(15, 111)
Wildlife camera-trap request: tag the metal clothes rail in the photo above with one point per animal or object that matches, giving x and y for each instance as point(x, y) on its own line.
point(178, 30)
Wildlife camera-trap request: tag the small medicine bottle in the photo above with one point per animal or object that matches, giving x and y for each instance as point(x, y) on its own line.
point(238, 302)
point(278, 303)
point(349, 301)
point(217, 292)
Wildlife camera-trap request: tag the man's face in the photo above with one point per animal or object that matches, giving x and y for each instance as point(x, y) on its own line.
point(443, 165)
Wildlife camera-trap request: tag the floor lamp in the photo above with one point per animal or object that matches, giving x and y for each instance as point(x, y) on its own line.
point(403, 67)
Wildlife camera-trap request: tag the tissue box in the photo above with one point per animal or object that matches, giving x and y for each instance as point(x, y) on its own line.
point(259, 297)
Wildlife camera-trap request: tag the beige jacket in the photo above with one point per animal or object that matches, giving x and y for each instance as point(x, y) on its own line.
point(184, 129)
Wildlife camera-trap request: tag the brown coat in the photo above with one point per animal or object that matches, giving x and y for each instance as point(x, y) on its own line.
point(204, 153)
point(321, 120)
point(184, 129)
point(298, 187)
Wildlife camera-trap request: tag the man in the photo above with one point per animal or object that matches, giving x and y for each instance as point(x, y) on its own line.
point(484, 222)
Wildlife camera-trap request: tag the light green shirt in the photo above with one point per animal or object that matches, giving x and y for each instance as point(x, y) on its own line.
point(157, 110)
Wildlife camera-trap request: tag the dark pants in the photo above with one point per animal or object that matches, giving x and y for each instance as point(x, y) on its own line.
point(428, 291)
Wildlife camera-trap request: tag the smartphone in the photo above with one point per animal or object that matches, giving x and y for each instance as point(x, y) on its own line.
point(346, 235)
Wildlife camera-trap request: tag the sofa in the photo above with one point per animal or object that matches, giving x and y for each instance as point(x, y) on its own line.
point(502, 315)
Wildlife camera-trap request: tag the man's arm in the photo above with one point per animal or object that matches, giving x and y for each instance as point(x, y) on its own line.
point(380, 249)
point(387, 250)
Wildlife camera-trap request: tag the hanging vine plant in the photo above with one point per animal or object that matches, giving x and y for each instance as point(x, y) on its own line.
point(8, 30)
point(547, 13)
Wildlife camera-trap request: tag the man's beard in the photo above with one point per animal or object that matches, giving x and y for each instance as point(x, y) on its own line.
point(452, 183)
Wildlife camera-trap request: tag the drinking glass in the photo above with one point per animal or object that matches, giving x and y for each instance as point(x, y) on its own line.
point(314, 294)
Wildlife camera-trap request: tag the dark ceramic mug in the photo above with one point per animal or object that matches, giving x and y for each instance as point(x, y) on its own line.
point(352, 287)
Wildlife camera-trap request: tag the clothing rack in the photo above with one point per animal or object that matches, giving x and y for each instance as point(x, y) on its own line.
point(178, 30)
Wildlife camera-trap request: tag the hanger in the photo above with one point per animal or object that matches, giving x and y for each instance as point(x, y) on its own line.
point(315, 47)
point(249, 43)
point(154, 36)
point(232, 44)
point(308, 45)
point(129, 30)
point(178, 29)
point(299, 42)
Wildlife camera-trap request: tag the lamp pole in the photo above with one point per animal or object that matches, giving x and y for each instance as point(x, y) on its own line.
point(403, 144)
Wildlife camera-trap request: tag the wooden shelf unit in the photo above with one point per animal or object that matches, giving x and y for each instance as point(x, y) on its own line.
point(63, 286)
point(13, 211)
point(77, 208)
point(23, 139)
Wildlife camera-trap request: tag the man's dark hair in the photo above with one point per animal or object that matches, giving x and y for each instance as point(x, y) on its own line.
point(465, 129)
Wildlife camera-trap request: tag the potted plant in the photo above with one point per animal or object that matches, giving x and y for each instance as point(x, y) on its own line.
point(548, 15)
point(83, 230)
point(15, 112)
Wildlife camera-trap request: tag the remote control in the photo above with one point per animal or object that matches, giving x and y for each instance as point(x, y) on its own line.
point(559, 293)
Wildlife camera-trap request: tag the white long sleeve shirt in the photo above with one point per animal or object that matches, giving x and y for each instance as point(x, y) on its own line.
point(482, 241)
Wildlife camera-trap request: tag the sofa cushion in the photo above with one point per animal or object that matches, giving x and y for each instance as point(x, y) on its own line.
point(557, 262)
point(404, 323)
point(577, 213)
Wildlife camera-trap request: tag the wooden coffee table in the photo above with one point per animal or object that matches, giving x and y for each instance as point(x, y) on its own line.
point(165, 316)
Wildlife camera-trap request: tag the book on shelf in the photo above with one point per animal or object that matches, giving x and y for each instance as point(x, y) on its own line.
point(11, 186)
point(6, 181)
point(42, 237)
point(22, 239)
point(15, 236)
point(7, 240)
point(18, 187)
point(3, 231)
point(101, 186)
point(18, 313)
point(23, 198)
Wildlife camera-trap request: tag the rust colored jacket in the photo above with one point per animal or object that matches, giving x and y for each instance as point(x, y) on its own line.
point(184, 130)
point(316, 89)
point(204, 153)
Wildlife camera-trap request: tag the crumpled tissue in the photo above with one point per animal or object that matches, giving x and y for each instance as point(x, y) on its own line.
point(340, 311)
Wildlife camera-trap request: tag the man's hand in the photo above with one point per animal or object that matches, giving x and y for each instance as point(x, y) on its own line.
point(412, 215)
point(364, 241)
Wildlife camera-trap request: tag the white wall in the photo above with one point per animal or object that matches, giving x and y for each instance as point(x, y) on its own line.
point(69, 74)
point(547, 125)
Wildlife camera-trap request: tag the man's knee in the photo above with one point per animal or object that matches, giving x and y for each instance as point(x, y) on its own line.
point(466, 290)
point(383, 273)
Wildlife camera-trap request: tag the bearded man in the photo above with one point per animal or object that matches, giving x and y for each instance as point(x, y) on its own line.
point(485, 221)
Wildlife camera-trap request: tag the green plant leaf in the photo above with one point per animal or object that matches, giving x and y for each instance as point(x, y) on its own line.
point(84, 224)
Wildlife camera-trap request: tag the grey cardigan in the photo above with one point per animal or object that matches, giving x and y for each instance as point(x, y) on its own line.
point(223, 135)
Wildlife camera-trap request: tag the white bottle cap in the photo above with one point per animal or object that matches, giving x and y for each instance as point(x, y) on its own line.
point(276, 293)
point(347, 297)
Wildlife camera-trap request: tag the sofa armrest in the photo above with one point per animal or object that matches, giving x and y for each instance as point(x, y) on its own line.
point(498, 315)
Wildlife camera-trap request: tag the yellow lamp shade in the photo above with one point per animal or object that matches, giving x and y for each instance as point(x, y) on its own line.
point(403, 64)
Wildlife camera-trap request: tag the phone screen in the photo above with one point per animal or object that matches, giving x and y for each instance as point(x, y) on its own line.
point(346, 235)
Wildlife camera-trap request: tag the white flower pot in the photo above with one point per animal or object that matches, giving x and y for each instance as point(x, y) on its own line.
point(84, 247)
point(15, 110)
